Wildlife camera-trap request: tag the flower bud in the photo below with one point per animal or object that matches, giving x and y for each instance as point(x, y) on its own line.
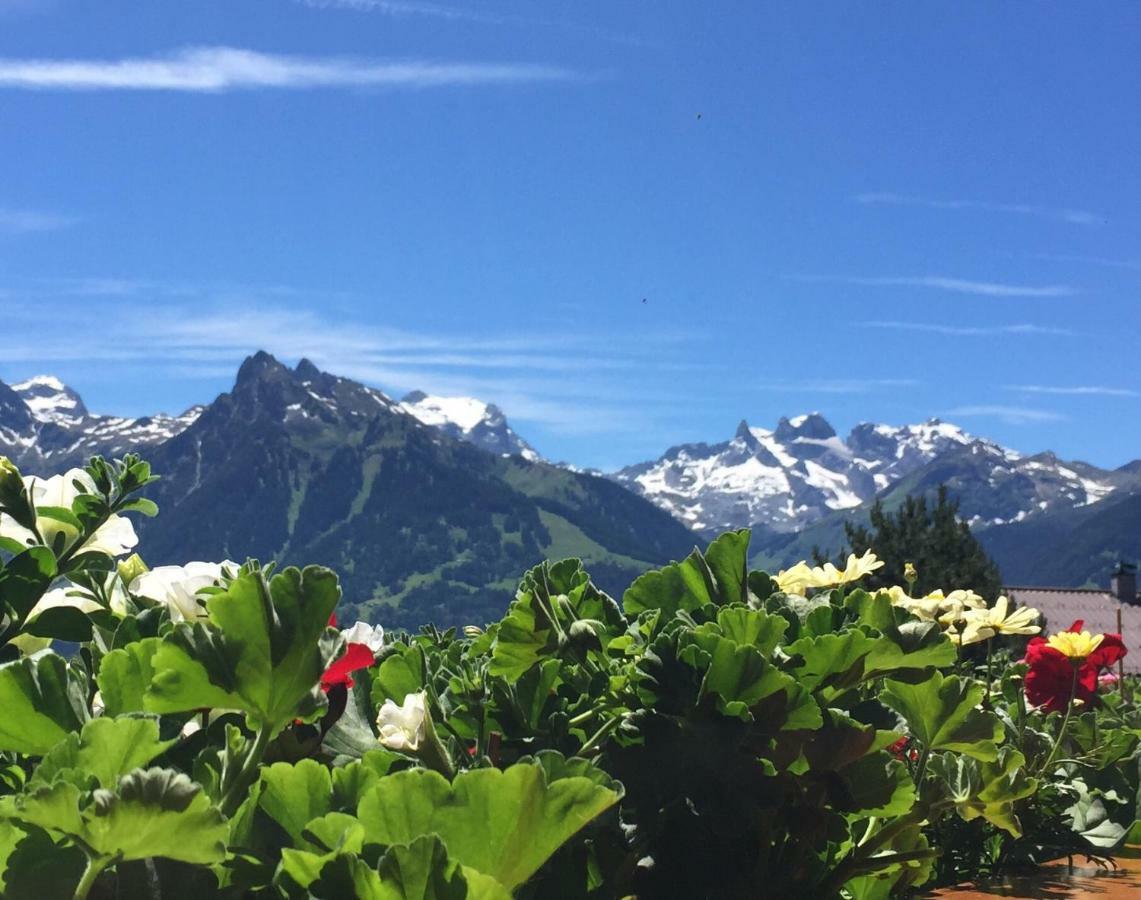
point(132, 567)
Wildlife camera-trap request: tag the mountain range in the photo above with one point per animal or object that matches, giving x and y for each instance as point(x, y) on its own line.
point(300, 466)
point(431, 506)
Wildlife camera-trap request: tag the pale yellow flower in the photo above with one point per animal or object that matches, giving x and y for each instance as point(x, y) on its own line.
point(796, 580)
point(983, 624)
point(1075, 645)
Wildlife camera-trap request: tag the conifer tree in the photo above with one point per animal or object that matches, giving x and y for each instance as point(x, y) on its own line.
point(945, 553)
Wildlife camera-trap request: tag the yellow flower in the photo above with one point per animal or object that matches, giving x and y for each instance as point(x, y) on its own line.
point(801, 577)
point(983, 624)
point(796, 580)
point(1075, 645)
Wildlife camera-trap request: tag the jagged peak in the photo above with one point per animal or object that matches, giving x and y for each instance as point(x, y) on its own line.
point(258, 367)
point(306, 371)
point(811, 425)
point(50, 400)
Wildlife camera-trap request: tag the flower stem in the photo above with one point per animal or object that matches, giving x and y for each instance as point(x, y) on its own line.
point(234, 795)
point(986, 696)
point(1065, 722)
point(95, 867)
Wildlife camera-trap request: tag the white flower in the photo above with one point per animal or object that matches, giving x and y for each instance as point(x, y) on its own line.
point(372, 636)
point(114, 537)
point(177, 587)
point(404, 727)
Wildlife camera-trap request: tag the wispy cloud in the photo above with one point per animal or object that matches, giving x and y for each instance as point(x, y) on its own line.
point(220, 69)
point(1011, 415)
point(478, 14)
point(1132, 264)
point(1091, 390)
point(1025, 328)
point(1071, 216)
point(944, 283)
point(24, 221)
point(837, 385)
point(563, 381)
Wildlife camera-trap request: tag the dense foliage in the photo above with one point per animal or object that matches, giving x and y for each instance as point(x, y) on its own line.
point(718, 733)
point(932, 538)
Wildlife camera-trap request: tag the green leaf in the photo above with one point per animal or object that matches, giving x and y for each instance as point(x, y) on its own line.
point(293, 795)
point(64, 623)
point(505, 824)
point(156, 812)
point(751, 627)
point(878, 785)
point(401, 674)
point(834, 661)
point(422, 870)
point(682, 585)
point(106, 750)
point(141, 505)
point(986, 789)
point(263, 652)
point(25, 578)
point(1092, 819)
point(941, 712)
point(43, 700)
point(728, 560)
point(125, 674)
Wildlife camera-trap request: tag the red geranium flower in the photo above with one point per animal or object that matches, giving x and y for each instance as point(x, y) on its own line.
point(356, 656)
point(1051, 676)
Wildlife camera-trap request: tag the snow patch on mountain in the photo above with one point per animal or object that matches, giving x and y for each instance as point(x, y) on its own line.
point(801, 471)
point(469, 419)
point(50, 400)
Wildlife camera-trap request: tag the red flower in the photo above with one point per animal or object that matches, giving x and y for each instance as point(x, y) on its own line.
point(1050, 678)
point(356, 656)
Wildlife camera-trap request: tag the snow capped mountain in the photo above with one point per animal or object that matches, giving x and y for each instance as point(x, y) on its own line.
point(45, 427)
point(468, 419)
point(802, 471)
point(50, 400)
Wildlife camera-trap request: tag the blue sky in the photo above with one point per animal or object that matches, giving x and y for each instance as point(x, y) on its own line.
point(883, 213)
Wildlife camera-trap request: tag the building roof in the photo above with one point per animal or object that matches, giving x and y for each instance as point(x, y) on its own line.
point(1062, 606)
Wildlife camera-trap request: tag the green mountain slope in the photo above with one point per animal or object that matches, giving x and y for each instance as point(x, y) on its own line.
point(301, 466)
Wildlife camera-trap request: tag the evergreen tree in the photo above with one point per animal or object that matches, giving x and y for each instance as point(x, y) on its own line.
point(945, 553)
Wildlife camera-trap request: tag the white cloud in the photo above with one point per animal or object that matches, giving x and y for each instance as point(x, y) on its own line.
point(1071, 216)
point(24, 221)
point(838, 385)
point(563, 381)
point(944, 283)
point(970, 330)
point(1093, 390)
point(1011, 415)
point(218, 69)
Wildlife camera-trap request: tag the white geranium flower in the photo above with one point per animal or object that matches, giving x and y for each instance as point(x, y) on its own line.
point(372, 636)
point(404, 727)
point(178, 587)
point(115, 537)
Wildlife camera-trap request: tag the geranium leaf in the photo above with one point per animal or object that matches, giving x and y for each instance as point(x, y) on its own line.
point(836, 661)
point(878, 785)
point(43, 700)
point(422, 869)
point(263, 651)
point(156, 812)
point(682, 585)
point(942, 713)
point(125, 674)
point(293, 795)
point(987, 790)
point(25, 578)
point(105, 749)
point(503, 823)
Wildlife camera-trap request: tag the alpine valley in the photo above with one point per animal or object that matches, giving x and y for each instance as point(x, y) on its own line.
point(431, 507)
